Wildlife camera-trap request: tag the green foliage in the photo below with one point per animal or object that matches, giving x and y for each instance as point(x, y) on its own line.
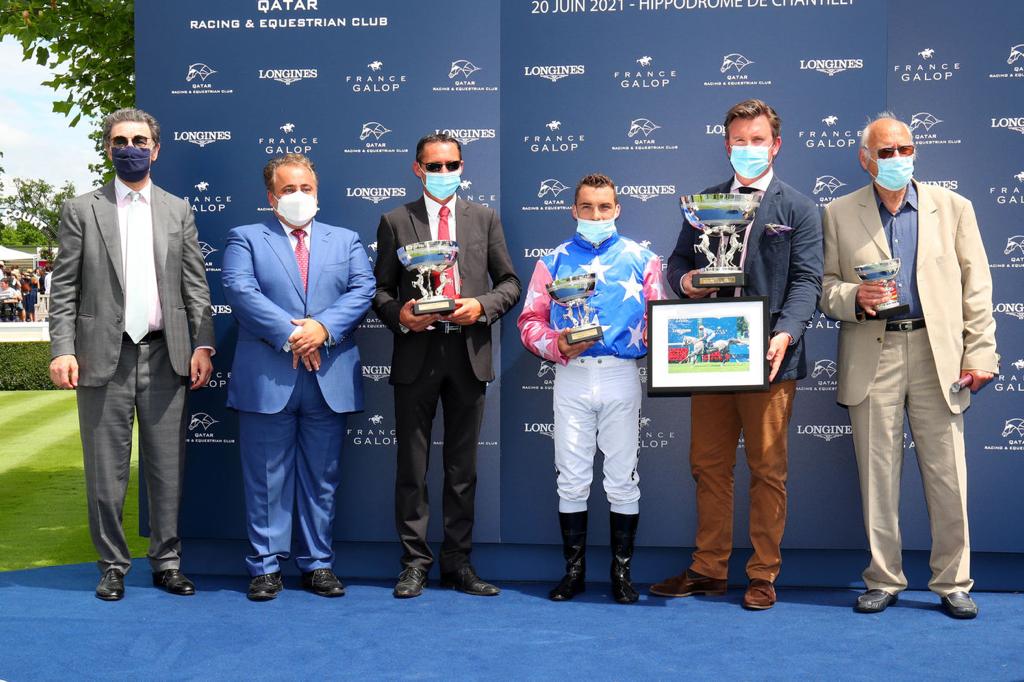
point(26, 366)
point(88, 46)
point(29, 217)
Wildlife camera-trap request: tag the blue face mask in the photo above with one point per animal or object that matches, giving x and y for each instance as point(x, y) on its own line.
point(749, 161)
point(443, 185)
point(131, 163)
point(895, 173)
point(595, 231)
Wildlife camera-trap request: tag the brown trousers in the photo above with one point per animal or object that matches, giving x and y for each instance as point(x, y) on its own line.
point(716, 421)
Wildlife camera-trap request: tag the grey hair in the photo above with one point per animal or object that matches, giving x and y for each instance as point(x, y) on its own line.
point(132, 115)
point(881, 116)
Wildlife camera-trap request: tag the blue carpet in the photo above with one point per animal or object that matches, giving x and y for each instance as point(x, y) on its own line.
point(51, 627)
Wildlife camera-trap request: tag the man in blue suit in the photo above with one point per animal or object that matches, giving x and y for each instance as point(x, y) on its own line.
point(299, 289)
point(782, 259)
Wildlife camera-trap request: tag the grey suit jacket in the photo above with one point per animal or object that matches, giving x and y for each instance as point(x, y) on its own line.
point(485, 268)
point(87, 297)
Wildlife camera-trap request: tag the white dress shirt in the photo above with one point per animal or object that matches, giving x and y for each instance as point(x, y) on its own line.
point(144, 230)
point(434, 218)
point(293, 240)
point(761, 184)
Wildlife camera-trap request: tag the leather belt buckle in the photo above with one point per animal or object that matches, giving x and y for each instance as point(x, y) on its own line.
point(903, 325)
point(449, 327)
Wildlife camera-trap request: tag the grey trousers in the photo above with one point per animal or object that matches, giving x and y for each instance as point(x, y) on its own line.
point(144, 384)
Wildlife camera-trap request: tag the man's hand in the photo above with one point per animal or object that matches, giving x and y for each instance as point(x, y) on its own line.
point(415, 323)
point(201, 368)
point(776, 351)
point(981, 377)
point(64, 371)
point(692, 291)
point(311, 361)
point(467, 311)
point(871, 294)
point(310, 337)
point(571, 350)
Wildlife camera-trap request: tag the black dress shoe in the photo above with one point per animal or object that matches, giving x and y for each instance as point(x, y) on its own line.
point(265, 587)
point(323, 582)
point(466, 580)
point(875, 601)
point(111, 585)
point(411, 583)
point(174, 581)
point(960, 605)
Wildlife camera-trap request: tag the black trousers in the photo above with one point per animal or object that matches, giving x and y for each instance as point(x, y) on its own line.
point(446, 376)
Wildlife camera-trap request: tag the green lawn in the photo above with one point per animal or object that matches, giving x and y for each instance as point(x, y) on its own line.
point(42, 485)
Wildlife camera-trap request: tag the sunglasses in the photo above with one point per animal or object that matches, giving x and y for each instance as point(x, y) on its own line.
point(436, 166)
point(889, 152)
point(140, 141)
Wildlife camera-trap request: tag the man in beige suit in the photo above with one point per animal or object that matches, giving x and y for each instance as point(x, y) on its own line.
point(909, 361)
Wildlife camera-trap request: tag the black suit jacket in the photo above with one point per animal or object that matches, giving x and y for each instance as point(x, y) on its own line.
point(485, 268)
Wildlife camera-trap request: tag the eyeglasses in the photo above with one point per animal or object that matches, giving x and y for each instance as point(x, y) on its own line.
point(436, 166)
point(140, 141)
point(889, 152)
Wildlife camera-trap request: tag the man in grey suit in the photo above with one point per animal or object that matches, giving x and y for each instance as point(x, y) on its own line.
point(130, 329)
point(446, 358)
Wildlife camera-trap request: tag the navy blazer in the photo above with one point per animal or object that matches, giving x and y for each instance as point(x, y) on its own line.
point(262, 283)
point(785, 267)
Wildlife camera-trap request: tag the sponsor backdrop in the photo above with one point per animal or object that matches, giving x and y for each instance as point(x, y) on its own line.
point(637, 89)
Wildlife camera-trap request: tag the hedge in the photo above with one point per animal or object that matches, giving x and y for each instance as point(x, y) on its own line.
point(25, 366)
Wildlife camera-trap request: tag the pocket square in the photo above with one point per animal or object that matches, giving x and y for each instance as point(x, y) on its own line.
point(775, 230)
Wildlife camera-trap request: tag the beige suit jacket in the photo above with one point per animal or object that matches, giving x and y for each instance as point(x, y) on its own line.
point(953, 281)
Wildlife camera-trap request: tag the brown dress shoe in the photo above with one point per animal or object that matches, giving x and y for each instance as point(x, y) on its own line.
point(687, 583)
point(760, 595)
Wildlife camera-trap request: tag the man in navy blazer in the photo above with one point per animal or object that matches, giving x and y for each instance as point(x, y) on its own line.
point(298, 289)
point(784, 263)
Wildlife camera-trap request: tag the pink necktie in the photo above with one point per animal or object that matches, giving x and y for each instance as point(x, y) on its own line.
point(444, 234)
point(302, 255)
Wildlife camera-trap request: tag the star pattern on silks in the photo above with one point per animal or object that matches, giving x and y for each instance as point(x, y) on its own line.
point(531, 296)
point(633, 248)
point(636, 334)
point(604, 327)
point(633, 288)
point(596, 267)
point(543, 346)
point(563, 249)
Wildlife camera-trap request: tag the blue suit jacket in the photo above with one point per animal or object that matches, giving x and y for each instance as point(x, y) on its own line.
point(787, 268)
point(262, 283)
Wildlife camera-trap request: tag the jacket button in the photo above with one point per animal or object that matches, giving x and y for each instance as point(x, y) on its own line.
point(117, 319)
point(879, 339)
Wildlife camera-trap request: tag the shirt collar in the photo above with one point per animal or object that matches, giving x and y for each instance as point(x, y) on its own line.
point(761, 184)
point(434, 207)
point(909, 198)
point(288, 229)
point(122, 191)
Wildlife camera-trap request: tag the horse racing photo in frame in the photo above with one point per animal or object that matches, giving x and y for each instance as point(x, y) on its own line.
point(707, 345)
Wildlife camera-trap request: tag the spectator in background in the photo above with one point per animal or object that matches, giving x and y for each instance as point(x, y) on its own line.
point(10, 298)
point(29, 296)
point(47, 279)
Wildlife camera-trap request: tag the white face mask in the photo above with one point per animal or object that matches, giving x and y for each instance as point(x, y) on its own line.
point(297, 208)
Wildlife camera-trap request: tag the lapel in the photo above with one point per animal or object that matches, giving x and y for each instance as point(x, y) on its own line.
point(105, 211)
point(769, 200)
point(420, 221)
point(464, 232)
point(319, 253)
point(927, 223)
point(159, 212)
point(869, 220)
point(279, 243)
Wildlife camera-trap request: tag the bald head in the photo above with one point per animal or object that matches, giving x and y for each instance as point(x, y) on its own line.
point(887, 126)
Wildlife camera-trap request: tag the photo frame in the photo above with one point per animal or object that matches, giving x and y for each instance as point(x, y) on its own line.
point(707, 345)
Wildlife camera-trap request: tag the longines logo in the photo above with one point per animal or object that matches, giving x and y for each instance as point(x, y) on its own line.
point(219, 309)
point(829, 135)
point(199, 81)
point(468, 135)
point(554, 73)
point(375, 194)
point(375, 432)
point(200, 430)
point(830, 67)
point(1011, 193)
point(292, 140)
point(649, 75)
point(540, 428)
point(373, 136)
point(555, 140)
point(640, 134)
point(476, 195)
point(716, 129)
point(925, 126)
point(1014, 123)
point(646, 192)
point(548, 197)
point(1012, 382)
point(947, 184)
point(1012, 434)
point(824, 376)
point(735, 70)
point(825, 187)
point(462, 78)
point(205, 201)
point(202, 138)
point(1011, 309)
point(826, 432)
point(652, 437)
point(375, 80)
point(545, 378)
point(377, 373)
point(287, 76)
point(929, 68)
point(1014, 64)
point(535, 252)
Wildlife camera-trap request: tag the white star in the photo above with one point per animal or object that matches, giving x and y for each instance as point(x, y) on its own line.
point(633, 289)
point(531, 296)
point(563, 249)
point(542, 345)
point(636, 334)
point(632, 247)
point(597, 268)
point(604, 327)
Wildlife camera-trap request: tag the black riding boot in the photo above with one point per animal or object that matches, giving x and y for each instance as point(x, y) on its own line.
point(623, 530)
point(574, 548)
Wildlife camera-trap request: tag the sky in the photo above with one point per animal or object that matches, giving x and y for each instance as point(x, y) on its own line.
point(36, 142)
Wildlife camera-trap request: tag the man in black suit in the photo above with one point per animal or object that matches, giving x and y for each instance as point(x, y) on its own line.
point(441, 357)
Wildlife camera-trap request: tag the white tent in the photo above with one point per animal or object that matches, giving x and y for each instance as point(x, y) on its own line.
point(10, 256)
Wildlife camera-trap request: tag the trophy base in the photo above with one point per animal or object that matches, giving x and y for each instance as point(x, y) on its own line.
point(886, 313)
point(435, 306)
point(581, 334)
point(713, 280)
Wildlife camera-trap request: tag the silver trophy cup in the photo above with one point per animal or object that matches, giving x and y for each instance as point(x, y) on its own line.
point(884, 272)
point(723, 216)
point(427, 259)
point(573, 292)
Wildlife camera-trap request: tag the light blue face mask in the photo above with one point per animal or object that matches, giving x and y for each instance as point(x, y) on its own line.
point(749, 161)
point(443, 185)
point(595, 231)
point(895, 173)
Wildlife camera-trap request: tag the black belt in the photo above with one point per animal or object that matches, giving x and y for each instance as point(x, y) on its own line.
point(904, 325)
point(151, 336)
point(443, 327)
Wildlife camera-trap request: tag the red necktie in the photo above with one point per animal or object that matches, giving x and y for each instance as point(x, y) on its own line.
point(443, 234)
point(302, 255)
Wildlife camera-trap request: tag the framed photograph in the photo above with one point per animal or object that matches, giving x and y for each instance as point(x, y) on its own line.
point(707, 345)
